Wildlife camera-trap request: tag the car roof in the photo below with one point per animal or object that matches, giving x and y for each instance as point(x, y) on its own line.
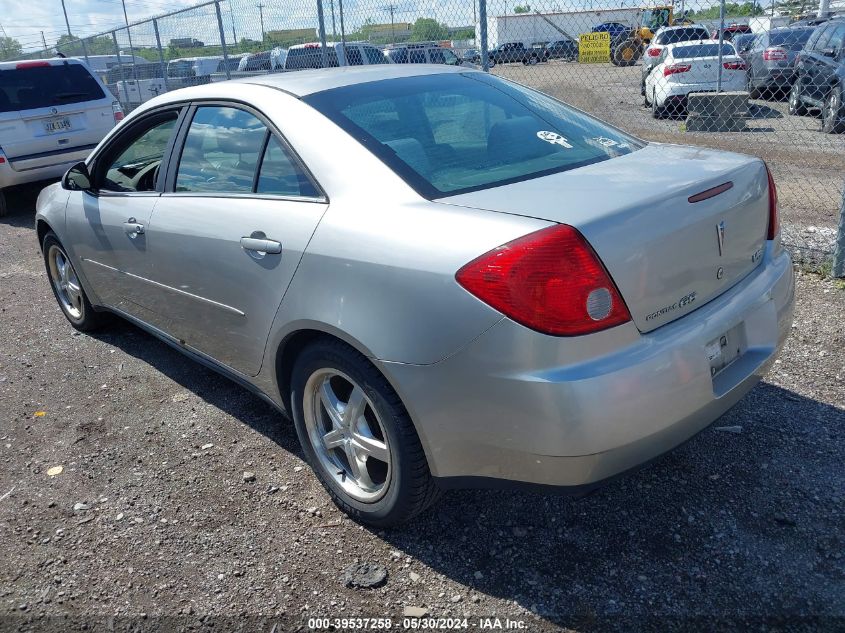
point(682, 26)
point(301, 83)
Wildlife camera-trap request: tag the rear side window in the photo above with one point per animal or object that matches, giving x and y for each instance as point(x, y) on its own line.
point(451, 133)
point(374, 56)
point(45, 86)
point(221, 151)
point(702, 50)
point(837, 38)
point(281, 175)
point(311, 57)
point(353, 56)
point(417, 56)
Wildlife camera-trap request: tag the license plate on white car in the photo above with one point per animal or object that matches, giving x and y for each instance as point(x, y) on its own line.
point(57, 125)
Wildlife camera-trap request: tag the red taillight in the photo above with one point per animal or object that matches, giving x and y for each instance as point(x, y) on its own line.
point(774, 54)
point(674, 69)
point(117, 110)
point(38, 64)
point(734, 65)
point(774, 220)
point(653, 52)
point(118, 116)
point(551, 281)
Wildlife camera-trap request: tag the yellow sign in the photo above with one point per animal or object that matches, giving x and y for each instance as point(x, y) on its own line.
point(594, 48)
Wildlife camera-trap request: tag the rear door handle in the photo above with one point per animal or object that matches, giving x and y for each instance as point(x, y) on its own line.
point(133, 228)
point(261, 245)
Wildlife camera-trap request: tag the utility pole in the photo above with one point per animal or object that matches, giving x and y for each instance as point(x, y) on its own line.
point(232, 15)
point(44, 41)
point(334, 30)
point(260, 6)
point(392, 9)
point(824, 8)
point(129, 35)
point(67, 22)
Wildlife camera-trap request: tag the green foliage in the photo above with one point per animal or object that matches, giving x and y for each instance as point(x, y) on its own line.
point(463, 34)
point(732, 9)
point(522, 9)
point(10, 48)
point(428, 29)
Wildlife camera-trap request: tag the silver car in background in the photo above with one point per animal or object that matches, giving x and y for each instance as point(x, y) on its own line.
point(53, 112)
point(445, 278)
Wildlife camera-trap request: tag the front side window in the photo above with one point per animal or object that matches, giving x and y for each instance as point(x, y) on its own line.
point(451, 133)
point(416, 56)
point(133, 165)
point(837, 38)
point(221, 151)
point(436, 55)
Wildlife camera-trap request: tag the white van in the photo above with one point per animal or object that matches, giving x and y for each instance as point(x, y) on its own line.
point(53, 112)
point(301, 56)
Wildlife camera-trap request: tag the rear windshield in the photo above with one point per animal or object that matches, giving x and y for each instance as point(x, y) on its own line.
point(793, 40)
point(702, 50)
point(452, 133)
point(680, 35)
point(299, 58)
point(45, 86)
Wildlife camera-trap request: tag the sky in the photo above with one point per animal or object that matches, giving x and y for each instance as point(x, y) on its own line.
point(25, 20)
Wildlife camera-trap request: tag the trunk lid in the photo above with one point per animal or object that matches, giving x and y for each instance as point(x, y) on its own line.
point(667, 255)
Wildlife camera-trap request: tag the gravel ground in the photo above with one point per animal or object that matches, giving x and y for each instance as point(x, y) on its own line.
point(152, 512)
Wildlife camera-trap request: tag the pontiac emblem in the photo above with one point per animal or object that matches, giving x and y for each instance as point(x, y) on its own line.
point(54, 110)
point(720, 235)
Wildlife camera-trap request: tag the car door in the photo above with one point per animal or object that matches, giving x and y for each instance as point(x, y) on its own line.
point(107, 225)
point(829, 60)
point(812, 63)
point(228, 233)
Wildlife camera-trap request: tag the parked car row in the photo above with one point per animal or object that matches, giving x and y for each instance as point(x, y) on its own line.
point(806, 62)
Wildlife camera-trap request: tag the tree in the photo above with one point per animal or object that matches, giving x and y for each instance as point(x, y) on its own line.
point(522, 9)
point(428, 29)
point(10, 48)
point(732, 9)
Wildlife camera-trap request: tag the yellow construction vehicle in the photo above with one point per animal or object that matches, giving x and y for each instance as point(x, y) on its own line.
point(626, 50)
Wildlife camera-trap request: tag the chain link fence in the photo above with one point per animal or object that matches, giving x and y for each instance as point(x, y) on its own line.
point(742, 77)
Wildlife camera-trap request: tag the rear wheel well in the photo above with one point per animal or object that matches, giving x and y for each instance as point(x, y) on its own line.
point(286, 355)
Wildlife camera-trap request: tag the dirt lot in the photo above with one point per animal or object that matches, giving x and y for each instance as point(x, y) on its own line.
point(151, 513)
point(808, 166)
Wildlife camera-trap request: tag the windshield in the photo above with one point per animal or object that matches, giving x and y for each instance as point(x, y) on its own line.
point(655, 18)
point(702, 50)
point(45, 86)
point(452, 133)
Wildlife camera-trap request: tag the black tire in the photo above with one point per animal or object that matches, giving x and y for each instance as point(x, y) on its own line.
point(410, 488)
point(656, 111)
point(627, 53)
point(88, 318)
point(833, 112)
point(796, 106)
point(753, 93)
point(4, 209)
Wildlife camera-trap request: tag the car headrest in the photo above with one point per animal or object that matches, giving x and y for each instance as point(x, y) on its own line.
point(517, 139)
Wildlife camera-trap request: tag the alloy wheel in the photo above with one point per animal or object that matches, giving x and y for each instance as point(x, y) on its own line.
point(346, 434)
point(64, 280)
point(831, 111)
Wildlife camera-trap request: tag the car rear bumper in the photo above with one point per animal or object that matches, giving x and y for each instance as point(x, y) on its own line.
point(673, 92)
point(45, 166)
point(518, 406)
point(774, 77)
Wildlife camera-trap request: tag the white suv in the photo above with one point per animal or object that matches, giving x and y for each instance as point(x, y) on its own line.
point(53, 112)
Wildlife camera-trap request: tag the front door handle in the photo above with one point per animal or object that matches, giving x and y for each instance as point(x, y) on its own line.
point(261, 245)
point(133, 228)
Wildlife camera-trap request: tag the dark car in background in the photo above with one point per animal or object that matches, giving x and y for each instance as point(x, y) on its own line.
point(562, 49)
point(771, 59)
point(820, 76)
point(743, 43)
point(731, 31)
point(255, 62)
point(472, 56)
point(421, 53)
point(511, 52)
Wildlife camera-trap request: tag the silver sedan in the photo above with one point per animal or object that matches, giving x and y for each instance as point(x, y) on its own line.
point(445, 278)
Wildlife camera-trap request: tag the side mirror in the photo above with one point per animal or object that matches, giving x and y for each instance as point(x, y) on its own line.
point(77, 178)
